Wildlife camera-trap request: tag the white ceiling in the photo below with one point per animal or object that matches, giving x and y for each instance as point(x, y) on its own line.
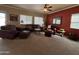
point(39, 7)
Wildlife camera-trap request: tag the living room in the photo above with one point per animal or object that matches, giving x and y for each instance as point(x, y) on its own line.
point(33, 29)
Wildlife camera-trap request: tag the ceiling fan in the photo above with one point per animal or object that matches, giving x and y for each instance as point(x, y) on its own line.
point(47, 8)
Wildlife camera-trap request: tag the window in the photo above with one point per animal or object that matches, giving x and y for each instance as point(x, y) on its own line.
point(38, 20)
point(24, 19)
point(2, 19)
point(75, 21)
point(57, 20)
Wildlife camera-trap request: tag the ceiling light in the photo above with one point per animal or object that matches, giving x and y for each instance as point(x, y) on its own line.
point(45, 9)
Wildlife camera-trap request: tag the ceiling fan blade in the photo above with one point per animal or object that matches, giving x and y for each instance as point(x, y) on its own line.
point(50, 7)
point(45, 5)
point(49, 10)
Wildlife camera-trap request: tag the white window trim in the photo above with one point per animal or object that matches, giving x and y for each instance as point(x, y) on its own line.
point(25, 15)
point(42, 19)
point(6, 14)
point(73, 22)
point(55, 20)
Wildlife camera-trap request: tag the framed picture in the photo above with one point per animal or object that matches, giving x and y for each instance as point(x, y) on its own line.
point(57, 20)
point(13, 17)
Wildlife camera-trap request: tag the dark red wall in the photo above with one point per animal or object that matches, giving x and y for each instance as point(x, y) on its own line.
point(66, 19)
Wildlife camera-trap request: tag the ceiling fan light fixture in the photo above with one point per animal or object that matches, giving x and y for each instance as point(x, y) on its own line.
point(45, 9)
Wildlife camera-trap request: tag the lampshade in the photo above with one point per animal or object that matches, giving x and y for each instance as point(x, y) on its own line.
point(49, 26)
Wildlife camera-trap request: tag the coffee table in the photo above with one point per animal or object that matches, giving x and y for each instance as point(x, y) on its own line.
point(24, 34)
